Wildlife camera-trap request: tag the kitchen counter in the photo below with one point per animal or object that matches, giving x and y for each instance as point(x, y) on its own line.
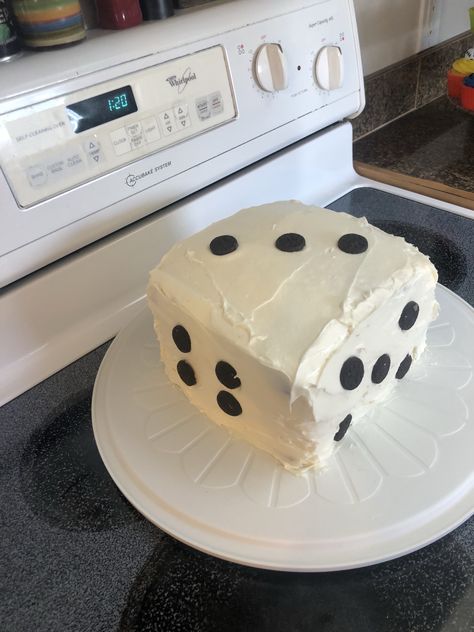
point(429, 150)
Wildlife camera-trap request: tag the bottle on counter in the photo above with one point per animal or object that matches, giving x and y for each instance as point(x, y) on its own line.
point(89, 13)
point(157, 9)
point(45, 24)
point(10, 46)
point(118, 14)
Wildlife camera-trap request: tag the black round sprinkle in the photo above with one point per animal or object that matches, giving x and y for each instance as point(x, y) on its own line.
point(229, 404)
point(223, 245)
point(290, 242)
point(353, 244)
point(343, 428)
point(227, 375)
point(409, 315)
point(352, 373)
point(181, 338)
point(186, 373)
point(381, 369)
point(404, 367)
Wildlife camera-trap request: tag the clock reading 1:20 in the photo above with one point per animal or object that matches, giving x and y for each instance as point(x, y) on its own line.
point(118, 102)
point(101, 108)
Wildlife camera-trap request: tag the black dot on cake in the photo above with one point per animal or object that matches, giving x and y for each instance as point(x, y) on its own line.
point(290, 242)
point(181, 338)
point(223, 245)
point(186, 373)
point(227, 375)
point(353, 244)
point(409, 315)
point(381, 369)
point(343, 428)
point(352, 373)
point(229, 404)
point(404, 367)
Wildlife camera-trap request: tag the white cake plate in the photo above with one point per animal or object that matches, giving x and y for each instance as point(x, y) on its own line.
point(399, 481)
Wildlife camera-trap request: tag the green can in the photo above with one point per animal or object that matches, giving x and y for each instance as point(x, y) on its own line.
point(10, 46)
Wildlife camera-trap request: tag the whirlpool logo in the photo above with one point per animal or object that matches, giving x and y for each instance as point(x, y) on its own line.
point(181, 82)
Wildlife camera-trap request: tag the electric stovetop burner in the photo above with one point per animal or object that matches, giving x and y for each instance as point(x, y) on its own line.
point(443, 252)
point(63, 479)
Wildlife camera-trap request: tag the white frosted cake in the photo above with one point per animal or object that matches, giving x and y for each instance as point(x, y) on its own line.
point(285, 322)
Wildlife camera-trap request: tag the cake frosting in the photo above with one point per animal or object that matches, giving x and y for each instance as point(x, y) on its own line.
point(286, 322)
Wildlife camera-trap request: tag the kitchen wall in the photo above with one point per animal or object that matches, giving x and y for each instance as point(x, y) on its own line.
point(453, 18)
point(389, 30)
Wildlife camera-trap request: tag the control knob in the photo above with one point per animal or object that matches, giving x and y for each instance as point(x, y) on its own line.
point(329, 68)
point(270, 68)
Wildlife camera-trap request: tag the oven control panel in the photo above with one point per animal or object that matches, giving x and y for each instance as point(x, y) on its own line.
point(61, 143)
point(96, 137)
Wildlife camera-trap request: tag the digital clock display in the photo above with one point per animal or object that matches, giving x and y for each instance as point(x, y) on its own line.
point(101, 109)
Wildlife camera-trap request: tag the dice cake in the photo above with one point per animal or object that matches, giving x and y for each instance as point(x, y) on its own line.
point(286, 323)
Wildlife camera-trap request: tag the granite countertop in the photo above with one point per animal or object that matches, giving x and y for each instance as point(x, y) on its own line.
point(430, 150)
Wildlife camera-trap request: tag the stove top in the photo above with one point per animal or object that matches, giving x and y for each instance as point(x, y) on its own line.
point(77, 556)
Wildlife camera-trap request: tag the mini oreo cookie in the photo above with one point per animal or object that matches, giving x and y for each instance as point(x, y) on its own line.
point(409, 315)
point(353, 244)
point(290, 242)
point(223, 245)
point(381, 369)
point(186, 373)
point(181, 338)
point(404, 367)
point(227, 375)
point(229, 404)
point(352, 373)
point(343, 428)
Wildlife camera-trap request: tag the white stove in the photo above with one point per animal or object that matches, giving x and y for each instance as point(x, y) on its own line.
point(110, 152)
point(151, 115)
point(96, 137)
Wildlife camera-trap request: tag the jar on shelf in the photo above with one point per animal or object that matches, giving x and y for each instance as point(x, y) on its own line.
point(118, 14)
point(156, 9)
point(44, 24)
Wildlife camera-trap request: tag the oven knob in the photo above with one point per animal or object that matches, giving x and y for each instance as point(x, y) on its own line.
point(270, 68)
point(329, 68)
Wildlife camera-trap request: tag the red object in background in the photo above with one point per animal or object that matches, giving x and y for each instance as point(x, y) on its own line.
point(455, 80)
point(118, 14)
point(467, 97)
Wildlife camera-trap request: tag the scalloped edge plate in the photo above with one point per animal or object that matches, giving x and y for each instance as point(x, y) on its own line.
point(400, 480)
